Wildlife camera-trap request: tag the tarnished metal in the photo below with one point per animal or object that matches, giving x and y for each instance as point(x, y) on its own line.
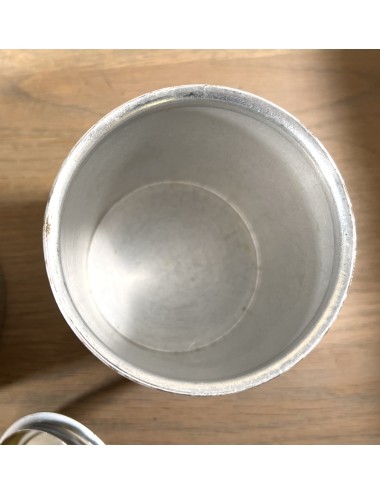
point(199, 240)
point(46, 428)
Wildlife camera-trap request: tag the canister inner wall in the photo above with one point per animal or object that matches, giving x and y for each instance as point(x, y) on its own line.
point(263, 253)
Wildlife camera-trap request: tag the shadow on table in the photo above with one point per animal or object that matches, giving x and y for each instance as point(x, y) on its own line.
point(359, 124)
point(81, 405)
point(2, 298)
point(34, 336)
point(359, 117)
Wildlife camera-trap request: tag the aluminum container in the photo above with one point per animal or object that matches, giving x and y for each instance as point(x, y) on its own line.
point(46, 428)
point(198, 239)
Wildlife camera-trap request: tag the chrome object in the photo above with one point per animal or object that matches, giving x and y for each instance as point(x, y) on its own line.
point(198, 239)
point(46, 428)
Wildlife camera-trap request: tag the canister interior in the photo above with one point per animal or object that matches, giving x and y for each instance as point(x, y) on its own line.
point(197, 242)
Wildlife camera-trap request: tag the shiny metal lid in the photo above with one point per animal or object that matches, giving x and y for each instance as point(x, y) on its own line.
point(47, 428)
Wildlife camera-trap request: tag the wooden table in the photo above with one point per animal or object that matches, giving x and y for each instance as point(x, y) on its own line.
point(48, 99)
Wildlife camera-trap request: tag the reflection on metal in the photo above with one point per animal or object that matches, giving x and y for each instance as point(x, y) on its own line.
point(46, 428)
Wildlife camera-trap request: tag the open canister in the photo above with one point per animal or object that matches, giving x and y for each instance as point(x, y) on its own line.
point(199, 240)
point(47, 428)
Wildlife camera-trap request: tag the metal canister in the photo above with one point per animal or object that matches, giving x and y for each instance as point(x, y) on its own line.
point(199, 240)
point(47, 428)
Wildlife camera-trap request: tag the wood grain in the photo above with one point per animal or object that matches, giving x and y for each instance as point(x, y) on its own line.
point(48, 99)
